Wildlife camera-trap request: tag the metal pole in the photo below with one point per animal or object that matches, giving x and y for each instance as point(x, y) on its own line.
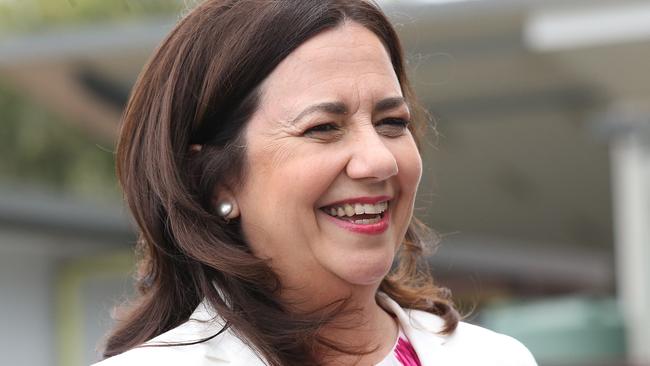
point(630, 158)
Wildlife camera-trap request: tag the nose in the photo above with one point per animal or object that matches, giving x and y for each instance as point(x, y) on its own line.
point(371, 158)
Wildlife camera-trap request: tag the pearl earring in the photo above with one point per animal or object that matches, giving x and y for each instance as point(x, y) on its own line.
point(224, 208)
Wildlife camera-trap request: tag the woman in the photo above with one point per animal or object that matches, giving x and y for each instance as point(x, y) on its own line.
point(268, 154)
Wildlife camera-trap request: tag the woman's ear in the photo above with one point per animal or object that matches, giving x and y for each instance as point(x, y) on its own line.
point(225, 203)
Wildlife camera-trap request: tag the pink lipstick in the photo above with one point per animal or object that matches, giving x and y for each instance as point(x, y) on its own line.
point(364, 215)
point(370, 229)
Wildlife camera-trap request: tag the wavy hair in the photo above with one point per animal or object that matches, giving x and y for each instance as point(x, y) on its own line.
point(201, 86)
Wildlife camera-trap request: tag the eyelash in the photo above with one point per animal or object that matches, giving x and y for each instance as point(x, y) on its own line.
point(322, 128)
point(396, 121)
point(330, 127)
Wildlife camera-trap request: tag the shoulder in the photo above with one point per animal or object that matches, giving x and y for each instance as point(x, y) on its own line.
point(467, 345)
point(489, 342)
point(474, 343)
point(202, 340)
point(169, 350)
point(161, 356)
point(174, 347)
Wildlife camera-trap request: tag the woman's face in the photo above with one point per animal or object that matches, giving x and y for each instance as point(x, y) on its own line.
point(329, 141)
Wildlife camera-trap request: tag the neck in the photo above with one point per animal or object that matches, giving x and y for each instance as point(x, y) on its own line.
point(363, 325)
point(368, 329)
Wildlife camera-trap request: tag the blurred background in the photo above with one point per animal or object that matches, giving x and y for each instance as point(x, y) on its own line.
point(539, 180)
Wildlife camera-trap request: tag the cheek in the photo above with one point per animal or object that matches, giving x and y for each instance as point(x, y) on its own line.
point(302, 180)
point(410, 168)
point(287, 182)
point(410, 172)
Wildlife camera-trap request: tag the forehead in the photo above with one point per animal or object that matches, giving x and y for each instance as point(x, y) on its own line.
point(348, 64)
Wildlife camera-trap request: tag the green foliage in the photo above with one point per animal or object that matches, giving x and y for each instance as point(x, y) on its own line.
point(38, 148)
point(19, 16)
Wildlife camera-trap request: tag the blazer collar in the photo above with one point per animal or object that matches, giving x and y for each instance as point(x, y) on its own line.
point(422, 330)
point(226, 348)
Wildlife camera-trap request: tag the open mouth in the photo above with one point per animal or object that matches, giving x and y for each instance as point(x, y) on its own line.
point(358, 213)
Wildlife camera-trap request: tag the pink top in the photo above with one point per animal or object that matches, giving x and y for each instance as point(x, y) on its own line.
point(402, 354)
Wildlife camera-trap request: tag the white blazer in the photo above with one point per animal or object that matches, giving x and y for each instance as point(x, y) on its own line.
point(468, 345)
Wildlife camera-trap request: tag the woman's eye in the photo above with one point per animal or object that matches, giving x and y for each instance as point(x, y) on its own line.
point(324, 128)
point(395, 122)
point(392, 127)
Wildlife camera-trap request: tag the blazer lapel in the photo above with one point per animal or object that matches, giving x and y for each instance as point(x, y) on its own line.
point(421, 329)
point(226, 348)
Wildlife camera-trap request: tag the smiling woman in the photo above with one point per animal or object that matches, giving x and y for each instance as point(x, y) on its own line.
point(269, 157)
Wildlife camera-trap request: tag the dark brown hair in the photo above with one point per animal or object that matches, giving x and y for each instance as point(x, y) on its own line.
point(201, 87)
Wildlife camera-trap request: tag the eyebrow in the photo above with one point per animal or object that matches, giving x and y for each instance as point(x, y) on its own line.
point(340, 108)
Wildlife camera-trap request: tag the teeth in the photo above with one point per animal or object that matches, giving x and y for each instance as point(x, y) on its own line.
point(367, 221)
point(348, 210)
point(375, 209)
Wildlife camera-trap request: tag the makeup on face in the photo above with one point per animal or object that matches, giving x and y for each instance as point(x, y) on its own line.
point(332, 166)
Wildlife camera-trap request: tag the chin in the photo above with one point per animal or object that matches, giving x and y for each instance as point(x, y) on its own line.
point(366, 271)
